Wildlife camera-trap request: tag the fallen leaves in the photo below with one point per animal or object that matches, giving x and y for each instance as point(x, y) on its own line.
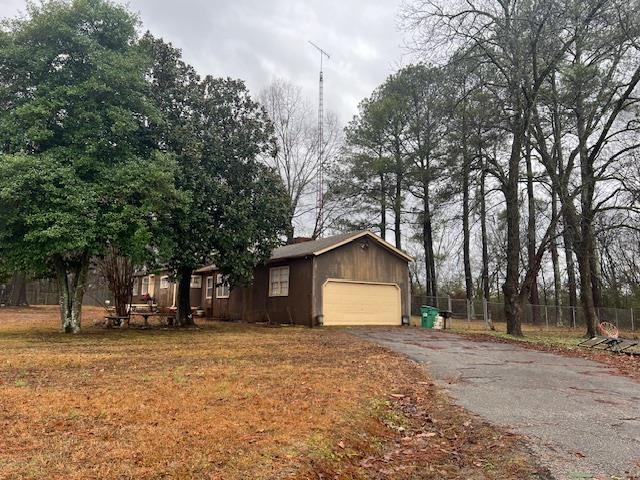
point(228, 401)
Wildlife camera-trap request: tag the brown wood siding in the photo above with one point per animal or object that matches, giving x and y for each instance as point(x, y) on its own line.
point(253, 304)
point(353, 262)
point(296, 306)
point(221, 308)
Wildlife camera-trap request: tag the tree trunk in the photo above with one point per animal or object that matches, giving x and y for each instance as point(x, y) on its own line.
point(397, 210)
point(568, 234)
point(397, 205)
point(569, 246)
point(511, 286)
point(184, 318)
point(290, 230)
point(586, 292)
point(596, 276)
point(586, 249)
point(583, 250)
point(557, 286)
point(427, 239)
point(383, 206)
point(466, 233)
point(72, 283)
point(486, 289)
point(585, 253)
point(534, 295)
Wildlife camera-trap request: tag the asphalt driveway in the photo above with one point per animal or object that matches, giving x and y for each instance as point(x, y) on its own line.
point(582, 420)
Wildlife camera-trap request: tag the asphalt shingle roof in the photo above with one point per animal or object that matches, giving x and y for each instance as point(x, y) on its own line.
point(309, 248)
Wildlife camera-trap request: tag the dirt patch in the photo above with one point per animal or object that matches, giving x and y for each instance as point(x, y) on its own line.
point(229, 401)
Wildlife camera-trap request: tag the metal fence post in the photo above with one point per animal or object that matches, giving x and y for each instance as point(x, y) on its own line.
point(633, 327)
point(449, 303)
point(573, 316)
point(468, 310)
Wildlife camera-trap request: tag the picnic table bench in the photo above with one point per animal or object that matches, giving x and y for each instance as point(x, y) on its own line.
point(115, 320)
point(170, 316)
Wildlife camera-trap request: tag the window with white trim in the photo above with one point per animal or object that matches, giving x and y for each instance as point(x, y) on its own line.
point(279, 282)
point(196, 281)
point(222, 286)
point(209, 287)
point(145, 286)
point(164, 282)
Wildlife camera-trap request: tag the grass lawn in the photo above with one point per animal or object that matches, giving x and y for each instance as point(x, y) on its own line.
point(228, 401)
point(538, 333)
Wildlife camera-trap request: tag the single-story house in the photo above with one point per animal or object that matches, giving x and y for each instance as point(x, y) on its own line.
point(349, 279)
point(158, 285)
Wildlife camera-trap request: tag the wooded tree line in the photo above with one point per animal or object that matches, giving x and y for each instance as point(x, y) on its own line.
point(522, 123)
point(112, 146)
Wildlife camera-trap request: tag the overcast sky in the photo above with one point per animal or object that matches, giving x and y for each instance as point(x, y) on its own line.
point(258, 40)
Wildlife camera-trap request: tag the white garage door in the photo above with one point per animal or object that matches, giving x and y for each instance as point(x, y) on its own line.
point(354, 303)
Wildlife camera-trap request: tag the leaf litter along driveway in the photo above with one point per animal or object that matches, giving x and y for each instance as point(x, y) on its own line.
point(582, 419)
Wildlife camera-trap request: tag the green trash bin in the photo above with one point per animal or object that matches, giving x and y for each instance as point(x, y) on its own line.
point(429, 315)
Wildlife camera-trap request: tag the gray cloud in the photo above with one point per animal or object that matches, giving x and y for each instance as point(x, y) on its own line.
point(259, 40)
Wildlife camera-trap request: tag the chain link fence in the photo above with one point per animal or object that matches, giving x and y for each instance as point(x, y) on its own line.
point(545, 316)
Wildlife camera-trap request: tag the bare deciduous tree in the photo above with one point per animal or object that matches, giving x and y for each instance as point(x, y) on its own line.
point(118, 271)
point(297, 157)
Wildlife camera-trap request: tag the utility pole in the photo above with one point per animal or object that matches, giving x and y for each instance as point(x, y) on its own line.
point(320, 176)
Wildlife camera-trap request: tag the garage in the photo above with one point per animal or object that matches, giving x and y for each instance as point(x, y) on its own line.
point(353, 278)
point(361, 303)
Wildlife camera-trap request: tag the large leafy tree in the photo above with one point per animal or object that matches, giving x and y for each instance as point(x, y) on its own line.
point(77, 173)
point(237, 206)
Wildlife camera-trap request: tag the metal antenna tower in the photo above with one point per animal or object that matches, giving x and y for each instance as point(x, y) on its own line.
point(320, 179)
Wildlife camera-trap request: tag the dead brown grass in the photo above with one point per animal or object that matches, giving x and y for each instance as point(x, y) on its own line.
point(560, 340)
point(228, 401)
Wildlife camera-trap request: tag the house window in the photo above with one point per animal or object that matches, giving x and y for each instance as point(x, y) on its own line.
point(279, 282)
point(196, 281)
point(136, 287)
point(209, 287)
point(164, 282)
point(145, 285)
point(222, 287)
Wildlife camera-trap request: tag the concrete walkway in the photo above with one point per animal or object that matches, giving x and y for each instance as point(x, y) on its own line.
point(582, 420)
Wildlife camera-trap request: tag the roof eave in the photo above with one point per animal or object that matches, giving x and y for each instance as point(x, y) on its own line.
point(369, 234)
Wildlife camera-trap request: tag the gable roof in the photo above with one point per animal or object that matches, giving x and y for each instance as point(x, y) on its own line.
point(320, 246)
point(323, 245)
